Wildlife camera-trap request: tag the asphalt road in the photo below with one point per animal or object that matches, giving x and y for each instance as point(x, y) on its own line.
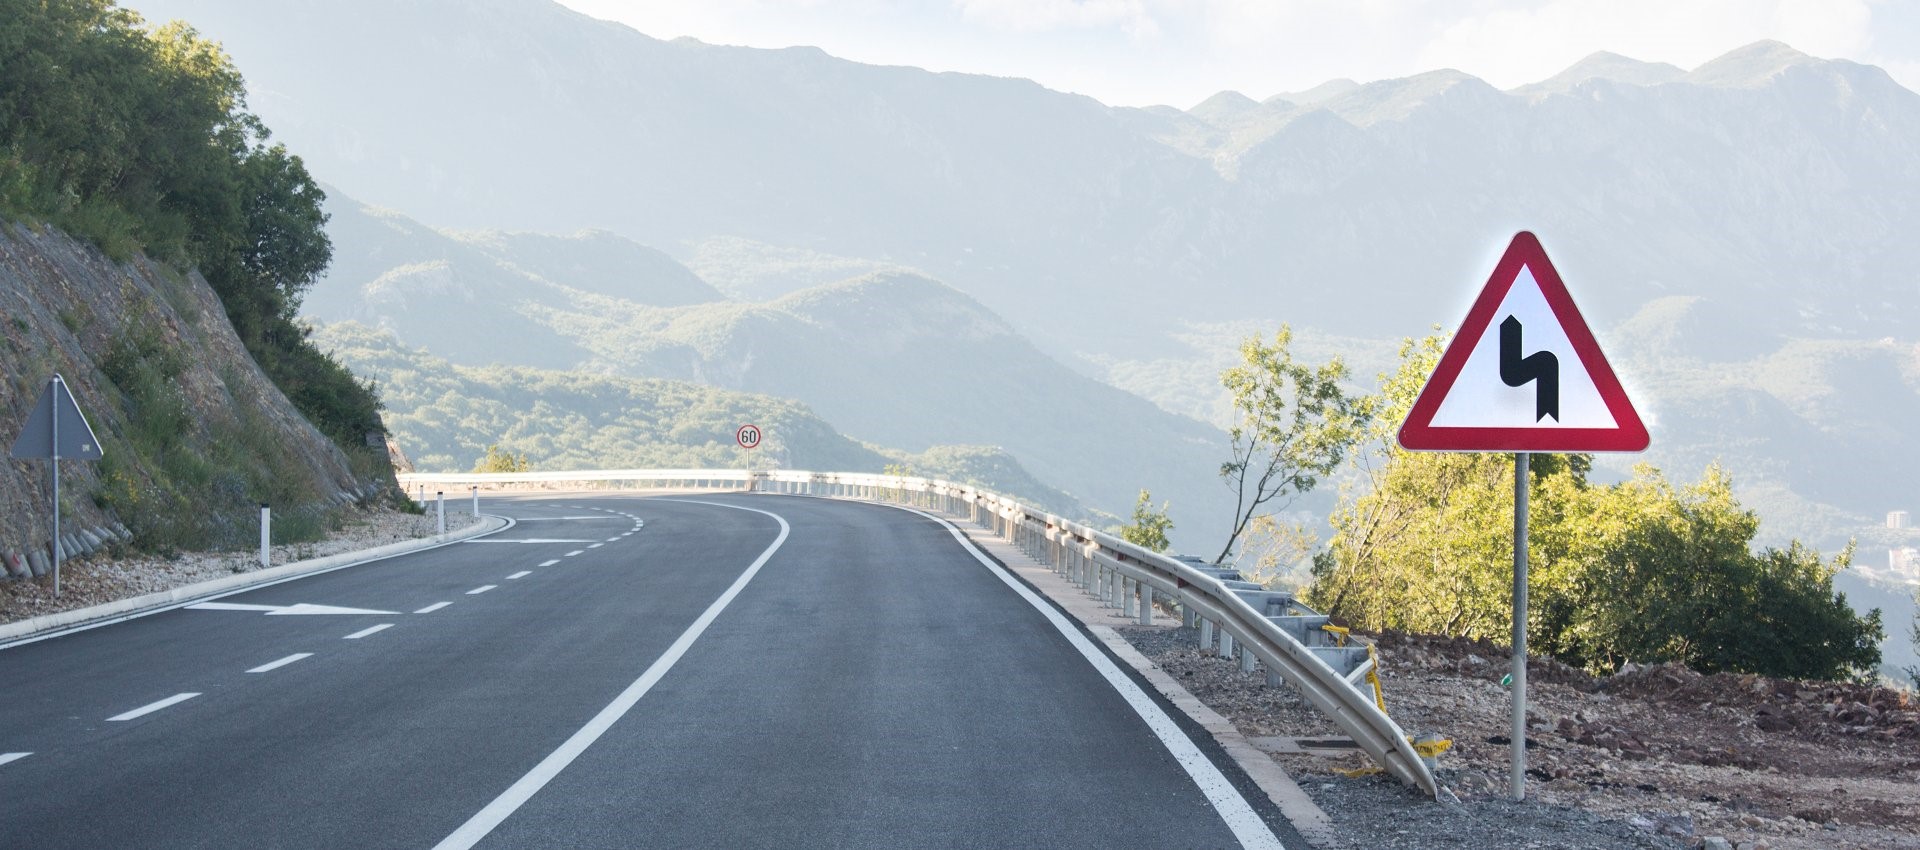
point(713, 671)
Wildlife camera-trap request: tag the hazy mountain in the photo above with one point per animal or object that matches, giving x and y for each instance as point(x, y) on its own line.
point(892, 357)
point(445, 416)
point(1773, 187)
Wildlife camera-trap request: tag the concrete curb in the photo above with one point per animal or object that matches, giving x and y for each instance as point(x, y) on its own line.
point(49, 625)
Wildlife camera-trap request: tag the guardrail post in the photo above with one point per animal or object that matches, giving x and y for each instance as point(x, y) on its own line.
point(1146, 604)
point(1186, 615)
point(1206, 636)
point(1226, 644)
point(1246, 660)
point(266, 535)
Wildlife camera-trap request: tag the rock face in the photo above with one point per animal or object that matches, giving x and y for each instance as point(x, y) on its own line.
point(194, 432)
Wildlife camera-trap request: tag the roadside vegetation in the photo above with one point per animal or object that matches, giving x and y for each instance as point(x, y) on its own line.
point(138, 140)
point(1643, 570)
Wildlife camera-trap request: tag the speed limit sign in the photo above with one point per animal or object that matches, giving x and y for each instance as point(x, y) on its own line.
point(748, 436)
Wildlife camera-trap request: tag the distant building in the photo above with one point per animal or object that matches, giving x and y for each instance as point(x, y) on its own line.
point(1897, 519)
point(1904, 561)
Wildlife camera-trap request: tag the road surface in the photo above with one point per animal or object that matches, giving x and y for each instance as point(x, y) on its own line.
point(613, 671)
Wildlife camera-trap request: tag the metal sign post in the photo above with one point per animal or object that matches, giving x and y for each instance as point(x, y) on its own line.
point(1522, 461)
point(749, 439)
point(43, 438)
point(1523, 375)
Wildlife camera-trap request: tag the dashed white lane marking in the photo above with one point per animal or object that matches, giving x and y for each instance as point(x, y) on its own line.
point(481, 589)
point(596, 545)
point(556, 518)
point(520, 574)
point(367, 631)
point(550, 563)
point(152, 707)
point(628, 534)
point(8, 758)
point(615, 538)
point(275, 665)
point(516, 795)
point(529, 540)
point(573, 553)
point(432, 608)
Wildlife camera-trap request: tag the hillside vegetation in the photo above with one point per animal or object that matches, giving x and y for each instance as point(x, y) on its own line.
point(449, 417)
point(139, 141)
point(175, 327)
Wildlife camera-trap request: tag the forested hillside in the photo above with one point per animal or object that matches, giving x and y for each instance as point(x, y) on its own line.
point(154, 252)
point(447, 416)
point(139, 140)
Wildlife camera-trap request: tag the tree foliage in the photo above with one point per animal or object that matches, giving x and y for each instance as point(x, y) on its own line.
point(1149, 527)
point(1641, 570)
point(1294, 425)
point(496, 460)
point(139, 140)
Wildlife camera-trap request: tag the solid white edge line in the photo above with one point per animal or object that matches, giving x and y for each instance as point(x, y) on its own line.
point(152, 707)
point(432, 608)
point(481, 589)
point(367, 631)
point(1233, 808)
point(275, 665)
point(7, 758)
point(549, 563)
point(520, 574)
point(516, 795)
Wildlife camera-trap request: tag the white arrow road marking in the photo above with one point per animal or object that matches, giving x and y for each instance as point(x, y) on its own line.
point(530, 540)
point(276, 610)
point(6, 758)
point(364, 632)
point(150, 708)
point(275, 665)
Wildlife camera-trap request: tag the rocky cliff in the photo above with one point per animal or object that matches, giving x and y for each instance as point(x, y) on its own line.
point(195, 436)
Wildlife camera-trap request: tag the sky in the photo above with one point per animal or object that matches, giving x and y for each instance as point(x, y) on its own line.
point(1179, 52)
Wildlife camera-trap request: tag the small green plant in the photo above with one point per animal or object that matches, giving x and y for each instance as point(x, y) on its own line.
point(1149, 527)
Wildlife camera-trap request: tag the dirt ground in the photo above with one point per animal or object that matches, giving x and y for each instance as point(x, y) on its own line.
point(1758, 762)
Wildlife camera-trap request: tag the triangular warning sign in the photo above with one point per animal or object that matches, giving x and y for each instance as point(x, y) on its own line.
point(1524, 373)
point(56, 428)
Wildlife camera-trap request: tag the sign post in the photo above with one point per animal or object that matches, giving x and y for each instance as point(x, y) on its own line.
point(56, 429)
point(749, 439)
point(1537, 384)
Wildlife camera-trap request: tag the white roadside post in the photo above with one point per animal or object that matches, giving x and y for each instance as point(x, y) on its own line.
point(1536, 383)
point(476, 501)
point(440, 509)
point(266, 535)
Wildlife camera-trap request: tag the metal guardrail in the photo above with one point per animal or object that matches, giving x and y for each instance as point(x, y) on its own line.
point(1270, 629)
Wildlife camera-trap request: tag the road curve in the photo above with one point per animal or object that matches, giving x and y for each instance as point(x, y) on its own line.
point(694, 679)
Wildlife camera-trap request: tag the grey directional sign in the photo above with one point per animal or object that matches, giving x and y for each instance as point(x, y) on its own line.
point(68, 436)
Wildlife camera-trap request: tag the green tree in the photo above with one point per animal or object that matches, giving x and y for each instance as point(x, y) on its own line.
point(1149, 527)
point(497, 460)
point(1295, 423)
point(1640, 570)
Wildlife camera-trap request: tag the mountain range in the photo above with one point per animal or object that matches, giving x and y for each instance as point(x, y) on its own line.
point(1734, 232)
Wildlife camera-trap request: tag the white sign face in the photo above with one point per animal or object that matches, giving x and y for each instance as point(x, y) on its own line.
point(748, 436)
point(1480, 398)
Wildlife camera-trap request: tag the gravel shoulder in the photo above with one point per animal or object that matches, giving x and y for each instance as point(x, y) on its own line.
point(1659, 757)
point(95, 580)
